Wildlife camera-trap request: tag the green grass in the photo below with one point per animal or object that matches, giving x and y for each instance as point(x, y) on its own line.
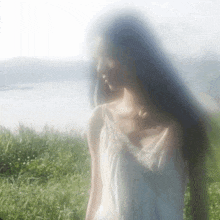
point(214, 187)
point(47, 175)
point(43, 176)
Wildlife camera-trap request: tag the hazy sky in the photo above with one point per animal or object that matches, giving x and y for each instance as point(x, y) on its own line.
point(52, 28)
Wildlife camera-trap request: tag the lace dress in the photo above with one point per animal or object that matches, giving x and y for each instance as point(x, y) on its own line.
point(139, 184)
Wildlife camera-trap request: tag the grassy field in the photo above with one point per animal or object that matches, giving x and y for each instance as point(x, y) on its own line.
point(47, 175)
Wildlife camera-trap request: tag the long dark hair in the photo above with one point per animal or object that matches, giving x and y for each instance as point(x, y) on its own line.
point(126, 36)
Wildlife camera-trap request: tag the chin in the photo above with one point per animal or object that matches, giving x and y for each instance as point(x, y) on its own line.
point(115, 88)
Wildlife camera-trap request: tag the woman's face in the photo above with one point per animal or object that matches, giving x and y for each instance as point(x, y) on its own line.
point(112, 73)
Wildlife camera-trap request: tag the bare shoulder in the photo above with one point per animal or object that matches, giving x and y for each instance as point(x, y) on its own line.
point(94, 127)
point(96, 119)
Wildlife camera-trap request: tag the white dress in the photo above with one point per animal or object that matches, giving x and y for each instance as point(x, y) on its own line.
point(138, 184)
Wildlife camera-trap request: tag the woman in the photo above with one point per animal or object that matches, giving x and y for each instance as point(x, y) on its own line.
point(147, 135)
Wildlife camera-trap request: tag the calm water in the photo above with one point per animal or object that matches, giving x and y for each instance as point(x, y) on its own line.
point(61, 105)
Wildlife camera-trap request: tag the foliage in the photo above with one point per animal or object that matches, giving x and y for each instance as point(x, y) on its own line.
point(47, 175)
point(43, 176)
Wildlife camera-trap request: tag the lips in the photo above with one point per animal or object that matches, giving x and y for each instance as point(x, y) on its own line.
point(105, 78)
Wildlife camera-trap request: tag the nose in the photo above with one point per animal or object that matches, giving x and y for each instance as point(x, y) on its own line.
point(104, 66)
point(100, 68)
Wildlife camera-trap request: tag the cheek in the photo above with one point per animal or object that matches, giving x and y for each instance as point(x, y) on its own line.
point(119, 78)
point(123, 77)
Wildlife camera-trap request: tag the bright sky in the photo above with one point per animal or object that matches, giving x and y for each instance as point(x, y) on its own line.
point(56, 29)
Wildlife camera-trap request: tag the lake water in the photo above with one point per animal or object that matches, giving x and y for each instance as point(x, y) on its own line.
point(61, 105)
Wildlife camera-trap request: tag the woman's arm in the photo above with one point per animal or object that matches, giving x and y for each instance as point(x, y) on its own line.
point(93, 136)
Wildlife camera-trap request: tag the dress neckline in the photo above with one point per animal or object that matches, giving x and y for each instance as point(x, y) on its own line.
point(111, 119)
point(144, 155)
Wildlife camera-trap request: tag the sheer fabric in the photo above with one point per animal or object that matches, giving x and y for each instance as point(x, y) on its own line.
point(139, 184)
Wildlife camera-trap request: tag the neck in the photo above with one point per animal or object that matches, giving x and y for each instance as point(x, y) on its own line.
point(128, 102)
point(129, 99)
